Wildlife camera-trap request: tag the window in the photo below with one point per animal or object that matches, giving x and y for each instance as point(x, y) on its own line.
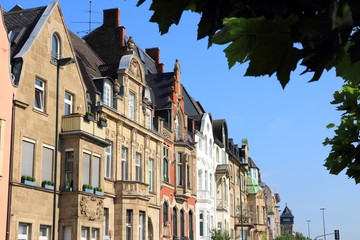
point(132, 106)
point(84, 233)
point(108, 161)
point(206, 181)
point(39, 103)
point(24, 231)
point(182, 223)
point(188, 176)
point(211, 184)
point(142, 225)
point(91, 174)
point(177, 128)
point(210, 147)
point(206, 145)
point(201, 224)
point(27, 161)
point(165, 213)
point(55, 47)
point(94, 234)
point(47, 164)
point(166, 164)
point(66, 233)
point(69, 168)
point(44, 232)
point(150, 118)
point(124, 161)
point(151, 175)
point(200, 180)
point(175, 222)
point(129, 224)
point(106, 223)
point(191, 224)
point(68, 103)
point(180, 171)
point(107, 94)
point(95, 173)
point(138, 167)
point(86, 168)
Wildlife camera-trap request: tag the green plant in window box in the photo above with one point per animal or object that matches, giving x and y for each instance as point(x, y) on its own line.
point(88, 188)
point(103, 121)
point(89, 116)
point(28, 180)
point(48, 184)
point(98, 191)
point(69, 185)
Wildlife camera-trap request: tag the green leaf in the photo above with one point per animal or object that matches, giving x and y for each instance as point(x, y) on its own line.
point(167, 12)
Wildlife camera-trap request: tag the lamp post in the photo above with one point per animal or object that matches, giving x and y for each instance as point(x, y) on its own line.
point(59, 63)
point(323, 209)
point(308, 222)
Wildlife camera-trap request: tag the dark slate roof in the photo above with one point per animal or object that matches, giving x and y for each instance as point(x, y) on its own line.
point(161, 84)
point(21, 23)
point(287, 213)
point(217, 130)
point(88, 62)
point(192, 107)
point(252, 163)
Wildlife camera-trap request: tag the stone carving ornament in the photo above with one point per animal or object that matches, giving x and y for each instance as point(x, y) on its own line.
point(91, 207)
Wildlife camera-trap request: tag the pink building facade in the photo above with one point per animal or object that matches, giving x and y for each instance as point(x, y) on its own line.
point(6, 94)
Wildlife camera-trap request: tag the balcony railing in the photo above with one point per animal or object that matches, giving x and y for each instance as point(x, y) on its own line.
point(184, 136)
point(203, 194)
point(133, 189)
point(77, 123)
point(222, 204)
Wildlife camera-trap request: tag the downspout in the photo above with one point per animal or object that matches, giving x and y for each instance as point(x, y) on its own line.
point(10, 171)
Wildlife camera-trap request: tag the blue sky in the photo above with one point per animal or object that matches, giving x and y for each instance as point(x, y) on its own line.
point(285, 128)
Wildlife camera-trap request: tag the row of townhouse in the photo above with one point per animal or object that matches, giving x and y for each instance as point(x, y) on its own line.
point(97, 141)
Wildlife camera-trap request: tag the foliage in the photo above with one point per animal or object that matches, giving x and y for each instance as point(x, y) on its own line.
point(99, 189)
point(274, 37)
point(345, 148)
point(286, 236)
point(47, 182)
point(28, 178)
point(219, 235)
point(87, 186)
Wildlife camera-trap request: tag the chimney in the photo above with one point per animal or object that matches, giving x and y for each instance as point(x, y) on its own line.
point(112, 17)
point(154, 53)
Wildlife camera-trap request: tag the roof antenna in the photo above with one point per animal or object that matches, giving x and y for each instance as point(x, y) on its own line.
point(90, 20)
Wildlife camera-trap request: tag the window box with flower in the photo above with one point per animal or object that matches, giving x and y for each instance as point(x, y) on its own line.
point(48, 184)
point(102, 122)
point(88, 188)
point(89, 116)
point(98, 191)
point(28, 180)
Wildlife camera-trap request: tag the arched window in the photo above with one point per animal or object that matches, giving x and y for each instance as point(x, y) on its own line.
point(182, 223)
point(191, 226)
point(55, 47)
point(217, 155)
point(206, 145)
point(174, 222)
point(165, 213)
point(166, 170)
point(210, 147)
point(211, 185)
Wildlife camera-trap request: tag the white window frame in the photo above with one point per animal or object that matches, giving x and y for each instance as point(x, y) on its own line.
point(25, 157)
point(151, 175)
point(95, 233)
point(69, 167)
point(132, 106)
point(108, 161)
point(27, 234)
point(48, 234)
point(68, 103)
point(39, 95)
point(85, 233)
point(45, 172)
point(142, 225)
point(138, 167)
point(129, 220)
point(201, 224)
point(107, 94)
point(124, 163)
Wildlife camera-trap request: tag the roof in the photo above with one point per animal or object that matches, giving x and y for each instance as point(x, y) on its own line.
point(287, 213)
point(252, 185)
point(20, 23)
point(161, 84)
point(217, 129)
point(252, 163)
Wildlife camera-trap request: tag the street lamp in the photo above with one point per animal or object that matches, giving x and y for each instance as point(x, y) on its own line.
point(59, 63)
point(308, 221)
point(323, 209)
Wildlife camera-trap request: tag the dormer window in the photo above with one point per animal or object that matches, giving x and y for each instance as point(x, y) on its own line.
point(55, 47)
point(177, 128)
point(107, 94)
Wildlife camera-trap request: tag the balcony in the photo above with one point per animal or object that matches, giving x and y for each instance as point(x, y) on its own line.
point(182, 194)
point(184, 137)
point(133, 190)
point(222, 205)
point(75, 124)
point(204, 195)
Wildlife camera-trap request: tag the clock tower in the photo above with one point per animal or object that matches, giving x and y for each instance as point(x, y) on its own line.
point(287, 220)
